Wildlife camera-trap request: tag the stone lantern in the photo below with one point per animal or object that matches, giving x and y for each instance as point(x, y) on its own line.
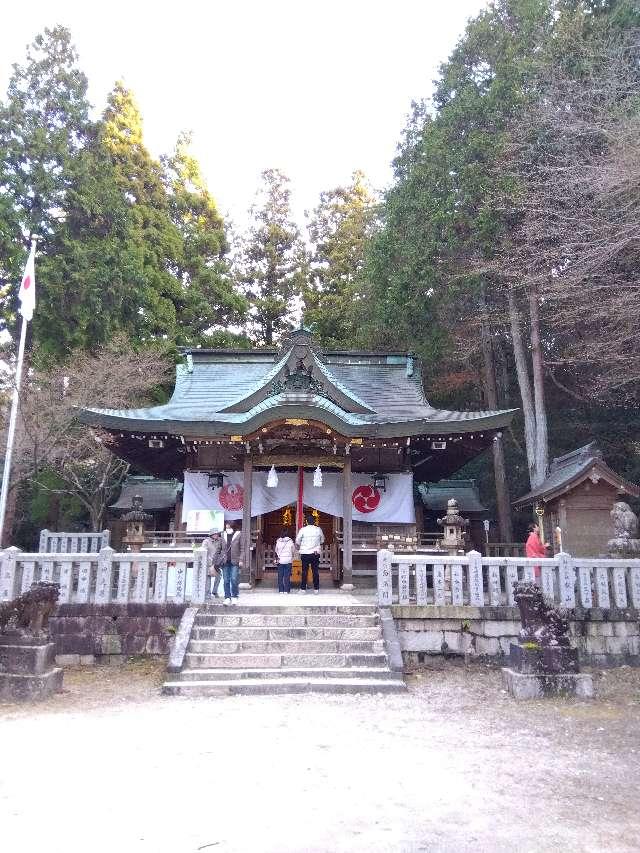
point(135, 519)
point(454, 525)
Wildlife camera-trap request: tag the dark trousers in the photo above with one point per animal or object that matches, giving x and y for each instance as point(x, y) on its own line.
point(311, 561)
point(284, 577)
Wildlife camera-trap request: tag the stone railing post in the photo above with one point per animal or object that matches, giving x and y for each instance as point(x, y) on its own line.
point(66, 581)
point(384, 578)
point(198, 589)
point(476, 588)
point(602, 587)
point(8, 573)
point(181, 579)
point(619, 585)
point(28, 575)
point(634, 583)
point(104, 575)
point(160, 585)
point(567, 580)
point(495, 592)
point(421, 584)
point(43, 540)
point(548, 574)
point(457, 591)
point(124, 581)
point(141, 586)
point(84, 582)
point(511, 578)
point(403, 583)
point(584, 585)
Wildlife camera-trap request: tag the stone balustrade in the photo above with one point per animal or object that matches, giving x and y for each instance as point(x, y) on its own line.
point(108, 577)
point(72, 543)
point(471, 579)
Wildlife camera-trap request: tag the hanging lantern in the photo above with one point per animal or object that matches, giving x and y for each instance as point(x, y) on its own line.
point(317, 477)
point(379, 482)
point(215, 481)
point(272, 479)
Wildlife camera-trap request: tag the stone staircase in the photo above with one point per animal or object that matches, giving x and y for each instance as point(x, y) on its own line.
point(289, 649)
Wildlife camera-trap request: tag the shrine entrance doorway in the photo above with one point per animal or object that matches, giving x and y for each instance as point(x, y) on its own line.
point(273, 522)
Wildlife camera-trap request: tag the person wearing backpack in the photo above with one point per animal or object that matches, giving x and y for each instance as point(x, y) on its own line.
point(214, 547)
point(285, 551)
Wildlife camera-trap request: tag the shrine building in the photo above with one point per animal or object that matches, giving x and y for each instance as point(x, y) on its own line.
point(264, 437)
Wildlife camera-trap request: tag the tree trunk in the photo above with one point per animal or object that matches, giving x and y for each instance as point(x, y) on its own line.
point(503, 502)
point(524, 384)
point(537, 359)
point(95, 514)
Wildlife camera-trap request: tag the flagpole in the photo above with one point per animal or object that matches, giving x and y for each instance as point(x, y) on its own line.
point(6, 473)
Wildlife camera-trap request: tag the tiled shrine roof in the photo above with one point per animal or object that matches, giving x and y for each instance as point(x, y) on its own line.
point(156, 494)
point(566, 472)
point(228, 392)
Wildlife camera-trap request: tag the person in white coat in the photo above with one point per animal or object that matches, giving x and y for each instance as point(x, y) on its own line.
point(285, 551)
point(310, 540)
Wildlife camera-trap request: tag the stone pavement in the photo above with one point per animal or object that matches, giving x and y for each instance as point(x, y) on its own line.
point(452, 765)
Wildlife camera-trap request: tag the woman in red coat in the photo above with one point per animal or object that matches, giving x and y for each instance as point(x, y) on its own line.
point(535, 547)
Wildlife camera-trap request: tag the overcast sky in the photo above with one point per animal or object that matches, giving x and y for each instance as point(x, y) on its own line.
point(316, 89)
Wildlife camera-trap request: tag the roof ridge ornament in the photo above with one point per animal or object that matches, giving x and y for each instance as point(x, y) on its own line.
point(298, 338)
point(301, 379)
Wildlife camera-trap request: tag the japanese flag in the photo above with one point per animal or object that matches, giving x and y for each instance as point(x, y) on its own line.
point(27, 295)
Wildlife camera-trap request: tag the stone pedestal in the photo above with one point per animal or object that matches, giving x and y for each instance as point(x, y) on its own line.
point(545, 671)
point(548, 660)
point(522, 685)
point(27, 668)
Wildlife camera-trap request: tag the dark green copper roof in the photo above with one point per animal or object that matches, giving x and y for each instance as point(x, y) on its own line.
point(226, 392)
point(156, 494)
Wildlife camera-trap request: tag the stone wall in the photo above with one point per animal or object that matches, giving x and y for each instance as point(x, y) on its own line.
point(88, 633)
point(603, 638)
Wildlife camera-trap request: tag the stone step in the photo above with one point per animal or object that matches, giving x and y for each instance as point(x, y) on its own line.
point(274, 660)
point(241, 633)
point(284, 685)
point(231, 616)
point(336, 609)
point(380, 673)
point(214, 647)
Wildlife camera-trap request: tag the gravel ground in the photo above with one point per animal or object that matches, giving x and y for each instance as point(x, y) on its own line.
point(453, 765)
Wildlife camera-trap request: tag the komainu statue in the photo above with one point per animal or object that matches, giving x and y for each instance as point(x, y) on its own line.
point(29, 613)
point(542, 624)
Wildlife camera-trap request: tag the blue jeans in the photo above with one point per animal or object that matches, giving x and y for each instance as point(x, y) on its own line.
point(231, 576)
point(284, 577)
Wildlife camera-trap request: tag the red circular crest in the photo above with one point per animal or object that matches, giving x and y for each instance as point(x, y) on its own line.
point(231, 497)
point(365, 498)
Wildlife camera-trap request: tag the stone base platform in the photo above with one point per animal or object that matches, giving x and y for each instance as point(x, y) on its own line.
point(27, 669)
point(529, 686)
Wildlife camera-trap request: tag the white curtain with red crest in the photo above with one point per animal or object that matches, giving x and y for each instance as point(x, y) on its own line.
point(393, 505)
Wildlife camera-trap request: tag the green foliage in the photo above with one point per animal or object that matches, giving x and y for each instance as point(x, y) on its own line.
point(140, 180)
point(339, 230)
point(272, 261)
point(211, 302)
point(43, 124)
point(91, 273)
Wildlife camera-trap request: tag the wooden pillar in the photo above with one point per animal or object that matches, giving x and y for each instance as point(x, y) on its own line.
point(347, 527)
point(246, 573)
